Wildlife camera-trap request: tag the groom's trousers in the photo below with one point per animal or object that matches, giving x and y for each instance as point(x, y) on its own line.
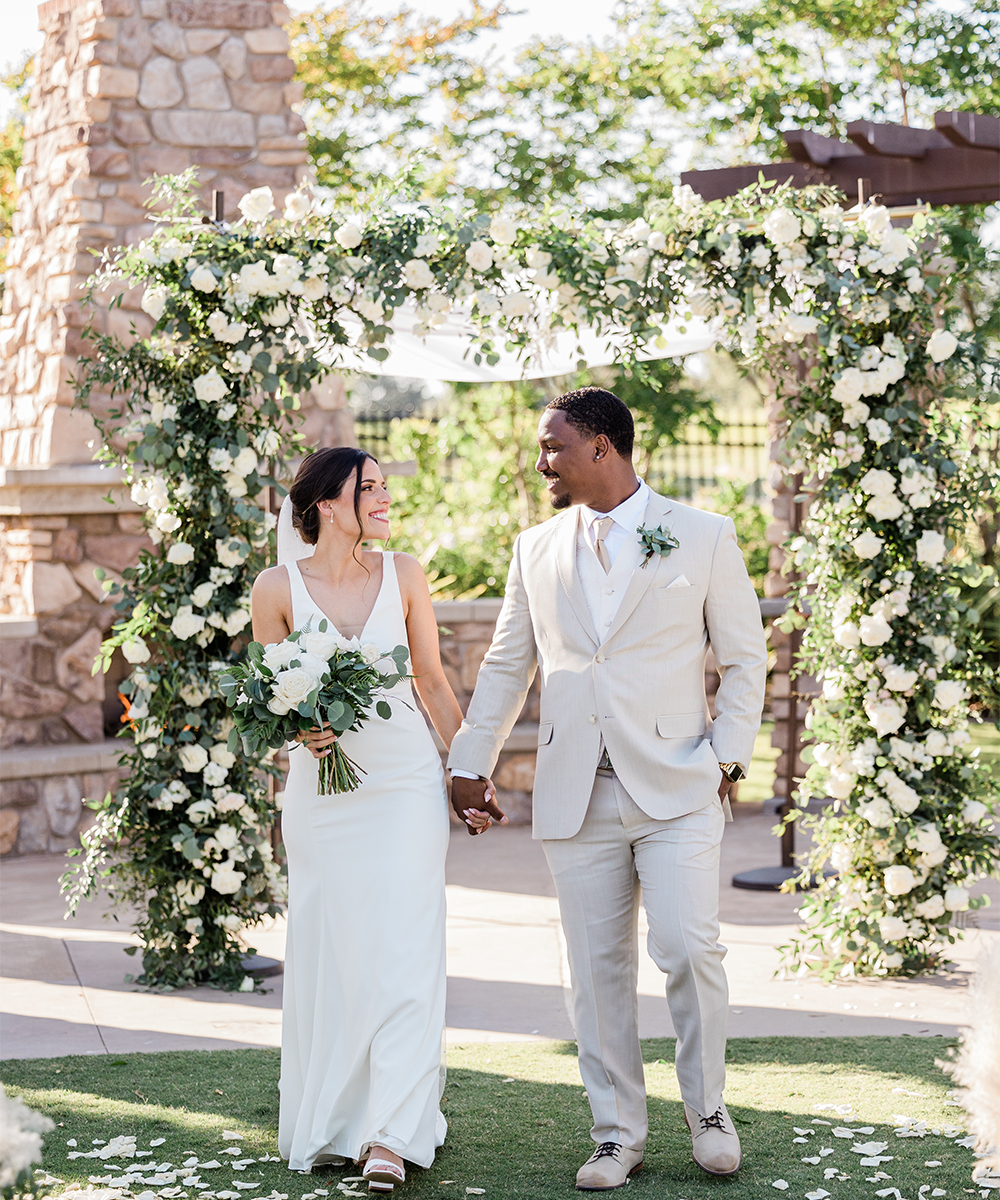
point(598, 876)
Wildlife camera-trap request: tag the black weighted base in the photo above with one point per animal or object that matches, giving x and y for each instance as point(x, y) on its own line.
point(769, 879)
point(261, 967)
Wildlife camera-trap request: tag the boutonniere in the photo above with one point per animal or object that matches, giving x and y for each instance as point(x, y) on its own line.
point(656, 541)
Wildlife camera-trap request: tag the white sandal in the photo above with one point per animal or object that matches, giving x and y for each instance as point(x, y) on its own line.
point(382, 1175)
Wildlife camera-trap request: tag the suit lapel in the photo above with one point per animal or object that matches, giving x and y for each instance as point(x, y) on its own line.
point(642, 577)
point(566, 568)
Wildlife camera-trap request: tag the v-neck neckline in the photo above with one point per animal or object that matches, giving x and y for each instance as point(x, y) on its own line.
point(326, 615)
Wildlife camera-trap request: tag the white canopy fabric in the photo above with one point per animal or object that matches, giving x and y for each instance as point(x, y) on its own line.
point(447, 352)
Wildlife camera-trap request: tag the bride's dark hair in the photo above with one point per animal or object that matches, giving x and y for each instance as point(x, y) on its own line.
point(322, 476)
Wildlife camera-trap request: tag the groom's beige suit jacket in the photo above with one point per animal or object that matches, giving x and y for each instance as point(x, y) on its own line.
point(640, 685)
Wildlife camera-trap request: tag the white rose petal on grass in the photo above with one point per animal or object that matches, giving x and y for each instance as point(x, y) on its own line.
point(781, 1185)
point(257, 204)
point(941, 345)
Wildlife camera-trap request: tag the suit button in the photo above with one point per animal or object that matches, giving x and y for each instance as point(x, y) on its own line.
point(609, 591)
point(592, 719)
point(599, 658)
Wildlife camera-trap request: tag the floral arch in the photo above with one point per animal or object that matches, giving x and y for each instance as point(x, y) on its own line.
point(880, 373)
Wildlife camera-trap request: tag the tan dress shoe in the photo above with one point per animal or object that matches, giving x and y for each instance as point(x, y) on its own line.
point(715, 1144)
point(608, 1167)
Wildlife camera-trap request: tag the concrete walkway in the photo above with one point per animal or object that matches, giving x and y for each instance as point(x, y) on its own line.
point(64, 991)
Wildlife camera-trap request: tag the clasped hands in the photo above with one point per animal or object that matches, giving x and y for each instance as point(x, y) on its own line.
point(474, 800)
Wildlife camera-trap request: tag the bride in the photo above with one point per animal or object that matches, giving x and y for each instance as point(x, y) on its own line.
point(364, 997)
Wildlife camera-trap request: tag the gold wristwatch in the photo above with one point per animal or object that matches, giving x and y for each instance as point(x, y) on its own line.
point(733, 771)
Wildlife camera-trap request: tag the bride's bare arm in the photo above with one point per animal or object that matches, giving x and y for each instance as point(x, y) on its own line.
point(271, 606)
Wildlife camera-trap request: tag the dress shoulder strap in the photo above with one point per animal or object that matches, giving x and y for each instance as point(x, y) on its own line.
point(302, 602)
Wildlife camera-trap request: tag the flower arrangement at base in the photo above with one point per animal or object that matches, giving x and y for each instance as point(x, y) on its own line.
point(312, 678)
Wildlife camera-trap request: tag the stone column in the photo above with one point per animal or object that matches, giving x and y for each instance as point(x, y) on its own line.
point(124, 90)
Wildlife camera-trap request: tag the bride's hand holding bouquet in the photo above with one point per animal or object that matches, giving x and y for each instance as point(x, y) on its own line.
point(311, 687)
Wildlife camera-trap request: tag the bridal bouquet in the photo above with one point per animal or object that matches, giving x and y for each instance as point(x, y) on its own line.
point(313, 677)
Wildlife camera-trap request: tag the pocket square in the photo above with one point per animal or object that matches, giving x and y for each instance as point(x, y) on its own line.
point(680, 581)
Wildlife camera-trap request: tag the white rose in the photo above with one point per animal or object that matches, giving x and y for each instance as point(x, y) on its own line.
point(278, 655)
point(903, 797)
point(686, 198)
point(167, 522)
point(227, 836)
point(180, 554)
point(760, 255)
point(221, 754)
point(236, 622)
point(278, 314)
point(949, 693)
point(479, 256)
point(254, 278)
point(898, 679)
point(973, 811)
point(782, 226)
point(135, 650)
point(214, 774)
point(899, 880)
point(878, 483)
point(154, 301)
point(210, 387)
point(657, 240)
point(297, 206)
point(186, 623)
point(956, 899)
point(193, 757)
point(427, 243)
point(371, 653)
point(885, 508)
point(194, 695)
point(878, 814)
point(796, 326)
point(936, 744)
point(201, 595)
point(417, 274)
point(941, 345)
point(847, 635)
point(867, 544)
point(230, 802)
point(874, 630)
point(893, 929)
point(842, 857)
point(840, 783)
point(931, 547)
point(879, 431)
point(925, 838)
point(245, 462)
point(291, 688)
point(257, 204)
point(503, 232)
point(315, 288)
point(516, 304)
point(231, 551)
point(349, 236)
point(173, 250)
point(323, 645)
point(203, 279)
point(226, 880)
point(885, 716)
point(931, 908)
point(487, 303)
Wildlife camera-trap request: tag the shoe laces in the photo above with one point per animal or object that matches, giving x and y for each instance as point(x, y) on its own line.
point(715, 1121)
point(606, 1150)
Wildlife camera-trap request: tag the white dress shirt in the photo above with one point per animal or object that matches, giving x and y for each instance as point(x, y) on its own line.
point(627, 518)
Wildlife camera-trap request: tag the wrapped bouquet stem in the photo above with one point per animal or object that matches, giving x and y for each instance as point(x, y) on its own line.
point(312, 680)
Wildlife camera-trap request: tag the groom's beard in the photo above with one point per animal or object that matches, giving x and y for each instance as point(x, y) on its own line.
point(563, 501)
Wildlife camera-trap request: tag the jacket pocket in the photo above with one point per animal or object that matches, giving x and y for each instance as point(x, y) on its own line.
point(681, 725)
point(544, 733)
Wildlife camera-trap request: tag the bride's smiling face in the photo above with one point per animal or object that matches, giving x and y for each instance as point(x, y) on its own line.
point(373, 506)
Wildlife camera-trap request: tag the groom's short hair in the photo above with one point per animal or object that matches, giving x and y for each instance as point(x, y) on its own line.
point(593, 410)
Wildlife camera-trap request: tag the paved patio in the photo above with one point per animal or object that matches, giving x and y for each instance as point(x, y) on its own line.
point(64, 990)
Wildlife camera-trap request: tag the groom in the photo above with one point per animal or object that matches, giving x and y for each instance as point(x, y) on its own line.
point(615, 602)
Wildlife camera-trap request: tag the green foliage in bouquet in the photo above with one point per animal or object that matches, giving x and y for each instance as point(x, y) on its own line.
point(305, 682)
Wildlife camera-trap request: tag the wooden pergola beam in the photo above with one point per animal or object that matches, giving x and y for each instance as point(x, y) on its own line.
point(958, 162)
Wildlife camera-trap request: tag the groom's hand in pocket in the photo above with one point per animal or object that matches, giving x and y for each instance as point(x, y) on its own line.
point(474, 802)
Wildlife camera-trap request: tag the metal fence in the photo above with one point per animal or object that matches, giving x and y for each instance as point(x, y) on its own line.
point(685, 470)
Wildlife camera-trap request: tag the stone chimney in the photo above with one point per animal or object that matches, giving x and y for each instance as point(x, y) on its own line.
point(124, 90)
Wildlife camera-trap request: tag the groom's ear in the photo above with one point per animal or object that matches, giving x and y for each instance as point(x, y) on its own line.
point(602, 447)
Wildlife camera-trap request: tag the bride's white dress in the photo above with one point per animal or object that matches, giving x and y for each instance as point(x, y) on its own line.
point(364, 989)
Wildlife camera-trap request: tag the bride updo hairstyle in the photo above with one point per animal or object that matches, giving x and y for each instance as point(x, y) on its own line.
point(322, 476)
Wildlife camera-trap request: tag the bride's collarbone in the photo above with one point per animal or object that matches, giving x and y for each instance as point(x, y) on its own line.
point(348, 605)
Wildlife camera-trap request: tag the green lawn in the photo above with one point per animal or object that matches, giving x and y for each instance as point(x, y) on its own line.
point(519, 1119)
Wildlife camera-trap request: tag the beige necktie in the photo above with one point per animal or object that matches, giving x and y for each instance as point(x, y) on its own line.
point(601, 527)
